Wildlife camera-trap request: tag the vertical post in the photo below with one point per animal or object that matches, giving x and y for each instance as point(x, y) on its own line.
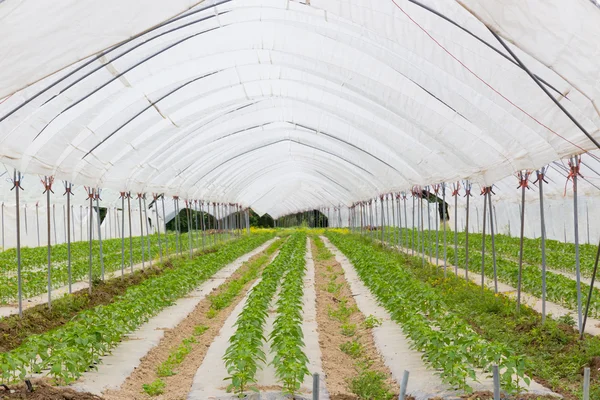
point(468, 196)
point(68, 192)
point(203, 225)
point(484, 192)
point(143, 245)
point(586, 383)
point(162, 199)
point(429, 224)
point(524, 180)
point(160, 251)
point(444, 219)
point(395, 230)
point(37, 223)
point(148, 233)
point(17, 186)
point(122, 234)
point(574, 163)
point(491, 211)
point(414, 195)
point(315, 390)
point(3, 247)
point(189, 222)
point(455, 190)
point(99, 233)
point(130, 231)
point(405, 220)
point(91, 236)
point(403, 385)
point(496, 374)
point(540, 181)
point(47, 182)
point(382, 221)
point(437, 225)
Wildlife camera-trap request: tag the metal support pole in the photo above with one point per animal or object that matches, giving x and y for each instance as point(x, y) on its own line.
point(496, 374)
point(203, 224)
point(162, 199)
point(586, 383)
point(189, 222)
point(444, 218)
point(143, 245)
point(382, 222)
point(403, 385)
point(148, 233)
point(492, 234)
point(540, 181)
point(524, 179)
point(17, 186)
point(574, 174)
point(68, 192)
point(414, 194)
point(315, 390)
point(467, 195)
point(455, 194)
point(48, 181)
point(429, 225)
point(99, 233)
point(122, 234)
point(130, 231)
point(91, 236)
point(160, 251)
point(37, 223)
point(485, 195)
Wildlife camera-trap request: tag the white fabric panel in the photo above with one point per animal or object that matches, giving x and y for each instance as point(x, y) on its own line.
point(283, 106)
point(67, 31)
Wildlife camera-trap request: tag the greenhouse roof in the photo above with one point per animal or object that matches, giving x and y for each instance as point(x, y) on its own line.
point(285, 106)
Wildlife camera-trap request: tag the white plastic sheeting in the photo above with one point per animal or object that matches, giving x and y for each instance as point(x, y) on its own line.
point(284, 106)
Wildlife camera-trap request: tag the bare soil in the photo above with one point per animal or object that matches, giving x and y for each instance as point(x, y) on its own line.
point(338, 366)
point(179, 385)
point(43, 390)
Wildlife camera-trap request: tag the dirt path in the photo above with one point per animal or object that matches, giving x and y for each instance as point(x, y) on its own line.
point(337, 327)
point(134, 361)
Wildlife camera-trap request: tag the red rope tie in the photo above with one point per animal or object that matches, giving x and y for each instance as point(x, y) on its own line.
point(575, 168)
point(47, 183)
point(540, 177)
point(175, 197)
point(523, 179)
point(90, 192)
point(455, 189)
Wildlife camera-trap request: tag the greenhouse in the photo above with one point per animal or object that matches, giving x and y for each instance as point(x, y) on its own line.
point(299, 199)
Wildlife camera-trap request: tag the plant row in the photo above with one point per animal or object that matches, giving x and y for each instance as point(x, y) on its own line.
point(449, 343)
point(559, 289)
point(79, 345)
point(35, 279)
point(287, 339)
point(559, 255)
point(245, 354)
point(553, 352)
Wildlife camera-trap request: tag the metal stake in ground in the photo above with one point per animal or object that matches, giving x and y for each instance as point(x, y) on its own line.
point(143, 245)
point(455, 190)
point(444, 219)
point(523, 184)
point(491, 214)
point(148, 233)
point(69, 192)
point(540, 181)
point(467, 185)
point(160, 251)
point(47, 183)
point(436, 190)
point(122, 234)
point(484, 192)
point(130, 231)
point(99, 233)
point(17, 179)
point(162, 199)
point(574, 164)
point(91, 235)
